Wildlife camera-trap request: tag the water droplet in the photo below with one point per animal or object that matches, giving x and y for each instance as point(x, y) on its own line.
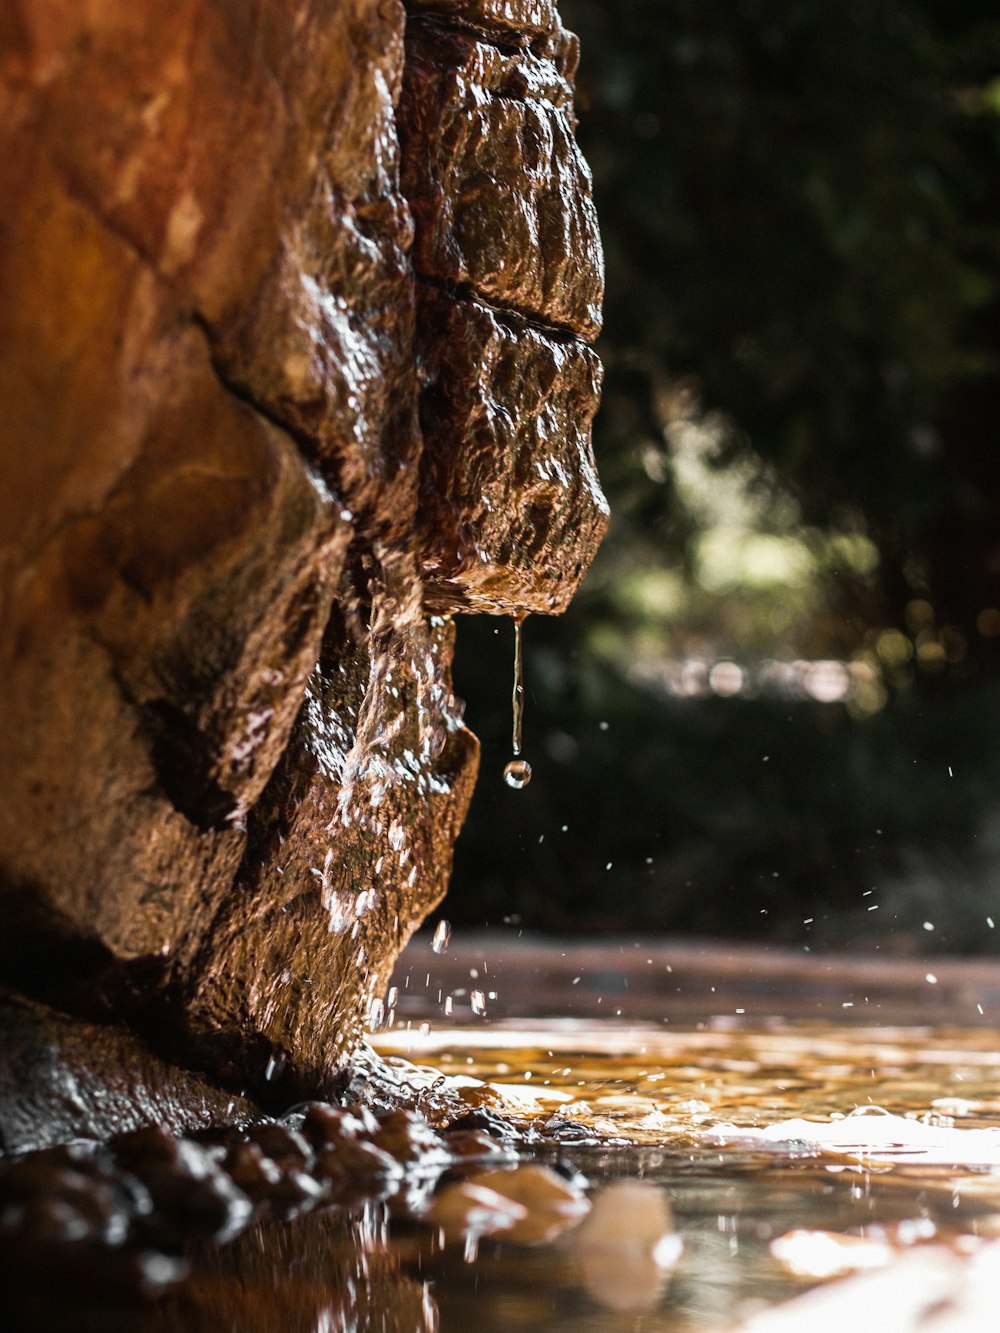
point(517, 774)
point(478, 1002)
point(441, 937)
point(274, 1065)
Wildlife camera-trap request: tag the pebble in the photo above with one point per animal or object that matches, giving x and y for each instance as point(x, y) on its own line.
point(490, 1123)
point(473, 1144)
point(551, 1203)
point(190, 1191)
point(286, 1147)
point(464, 1209)
point(624, 1249)
point(407, 1137)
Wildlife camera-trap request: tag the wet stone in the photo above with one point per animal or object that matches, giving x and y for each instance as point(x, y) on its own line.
point(355, 1158)
point(191, 1192)
point(234, 769)
point(408, 1138)
point(284, 1145)
point(488, 134)
point(324, 1124)
point(551, 1203)
point(488, 1122)
point(253, 1172)
point(506, 410)
point(473, 1144)
point(464, 1208)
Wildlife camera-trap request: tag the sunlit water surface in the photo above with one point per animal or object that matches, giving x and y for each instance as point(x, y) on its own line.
point(898, 1162)
point(791, 1177)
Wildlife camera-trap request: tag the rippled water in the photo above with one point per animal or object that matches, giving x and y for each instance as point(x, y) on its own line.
point(759, 1162)
point(678, 1102)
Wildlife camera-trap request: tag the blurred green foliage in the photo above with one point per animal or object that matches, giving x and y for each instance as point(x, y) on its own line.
point(800, 204)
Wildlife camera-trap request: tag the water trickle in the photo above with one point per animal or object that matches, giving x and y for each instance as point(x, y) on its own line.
point(517, 774)
point(441, 936)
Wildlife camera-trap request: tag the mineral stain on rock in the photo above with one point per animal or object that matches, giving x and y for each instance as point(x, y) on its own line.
point(295, 365)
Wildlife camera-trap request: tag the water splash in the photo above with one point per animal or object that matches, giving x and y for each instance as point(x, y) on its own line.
point(442, 935)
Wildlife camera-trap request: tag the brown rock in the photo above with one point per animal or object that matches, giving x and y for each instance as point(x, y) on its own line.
point(157, 645)
point(488, 135)
point(350, 847)
point(506, 411)
point(61, 1077)
point(232, 765)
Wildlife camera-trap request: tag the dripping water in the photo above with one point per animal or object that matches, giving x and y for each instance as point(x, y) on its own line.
point(441, 937)
point(517, 774)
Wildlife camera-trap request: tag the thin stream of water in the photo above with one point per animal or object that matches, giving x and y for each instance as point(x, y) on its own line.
point(517, 774)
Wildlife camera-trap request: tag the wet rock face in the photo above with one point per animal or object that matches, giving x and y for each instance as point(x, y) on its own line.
point(510, 282)
point(294, 365)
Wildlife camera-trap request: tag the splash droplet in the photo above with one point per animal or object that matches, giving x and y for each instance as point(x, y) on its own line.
point(441, 936)
point(517, 774)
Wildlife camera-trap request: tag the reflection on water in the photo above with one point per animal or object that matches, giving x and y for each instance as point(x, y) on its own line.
point(762, 1199)
point(674, 1183)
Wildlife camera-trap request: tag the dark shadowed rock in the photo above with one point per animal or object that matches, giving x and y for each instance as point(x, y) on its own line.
point(349, 849)
point(61, 1074)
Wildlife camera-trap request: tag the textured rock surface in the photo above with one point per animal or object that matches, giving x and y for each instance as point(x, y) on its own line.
point(508, 256)
point(349, 849)
point(59, 1073)
point(529, 507)
point(488, 134)
point(268, 416)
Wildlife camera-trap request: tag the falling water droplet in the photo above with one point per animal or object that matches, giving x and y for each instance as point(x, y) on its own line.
point(275, 1065)
point(441, 937)
point(517, 774)
point(478, 1002)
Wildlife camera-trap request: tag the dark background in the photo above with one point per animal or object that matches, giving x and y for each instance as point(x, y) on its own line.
point(800, 204)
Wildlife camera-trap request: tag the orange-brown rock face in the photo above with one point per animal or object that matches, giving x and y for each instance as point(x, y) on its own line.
point(294, 304)
point(510, 282)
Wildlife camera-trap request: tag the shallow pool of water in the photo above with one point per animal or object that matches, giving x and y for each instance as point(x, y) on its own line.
point(701, 1115)
point(763, 1162)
